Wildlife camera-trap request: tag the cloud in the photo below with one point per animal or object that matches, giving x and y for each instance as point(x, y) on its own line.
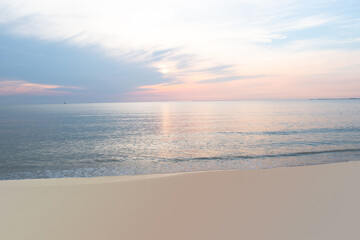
point(165, 43)
point(161, 54)
point(231, 78)
point(19, 87)
point(221, 69)
point(149, 28)
point(306, 23)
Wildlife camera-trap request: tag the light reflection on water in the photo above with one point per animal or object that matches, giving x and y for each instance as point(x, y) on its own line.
point(41, 141)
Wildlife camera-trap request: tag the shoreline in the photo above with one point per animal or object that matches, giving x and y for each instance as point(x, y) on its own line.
point(304, 202)
point(73, 180)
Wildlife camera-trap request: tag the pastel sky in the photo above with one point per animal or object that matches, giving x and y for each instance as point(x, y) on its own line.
point(160, 50)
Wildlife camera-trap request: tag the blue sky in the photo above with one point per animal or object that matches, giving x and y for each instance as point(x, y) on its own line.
point(99, 51)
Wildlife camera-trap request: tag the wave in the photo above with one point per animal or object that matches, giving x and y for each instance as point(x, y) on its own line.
point(238, 157)
point(107, 160)
point(300, 131)
point(137, 167)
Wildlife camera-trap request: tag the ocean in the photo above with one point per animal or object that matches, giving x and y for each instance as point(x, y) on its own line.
point(108, 139)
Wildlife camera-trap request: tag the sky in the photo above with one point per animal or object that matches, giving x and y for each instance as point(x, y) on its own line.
point(161, 50)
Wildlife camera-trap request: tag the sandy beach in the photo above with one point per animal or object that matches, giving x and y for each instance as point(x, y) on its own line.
point(310, 202)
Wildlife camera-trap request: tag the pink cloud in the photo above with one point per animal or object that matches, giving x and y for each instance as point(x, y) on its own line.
point(20, 87)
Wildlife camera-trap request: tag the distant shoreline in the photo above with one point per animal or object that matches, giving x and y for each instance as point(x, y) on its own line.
point(334, 99)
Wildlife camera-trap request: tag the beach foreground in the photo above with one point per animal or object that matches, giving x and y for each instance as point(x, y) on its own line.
point(310, 202)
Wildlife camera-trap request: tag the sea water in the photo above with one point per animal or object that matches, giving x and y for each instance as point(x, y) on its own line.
point(88, 140)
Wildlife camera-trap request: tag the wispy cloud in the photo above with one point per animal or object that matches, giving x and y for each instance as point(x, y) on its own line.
point(306, 23)
point(19, 87)
point(230, 78)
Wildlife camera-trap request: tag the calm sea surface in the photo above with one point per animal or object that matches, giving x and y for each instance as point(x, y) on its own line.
point(86, 140)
